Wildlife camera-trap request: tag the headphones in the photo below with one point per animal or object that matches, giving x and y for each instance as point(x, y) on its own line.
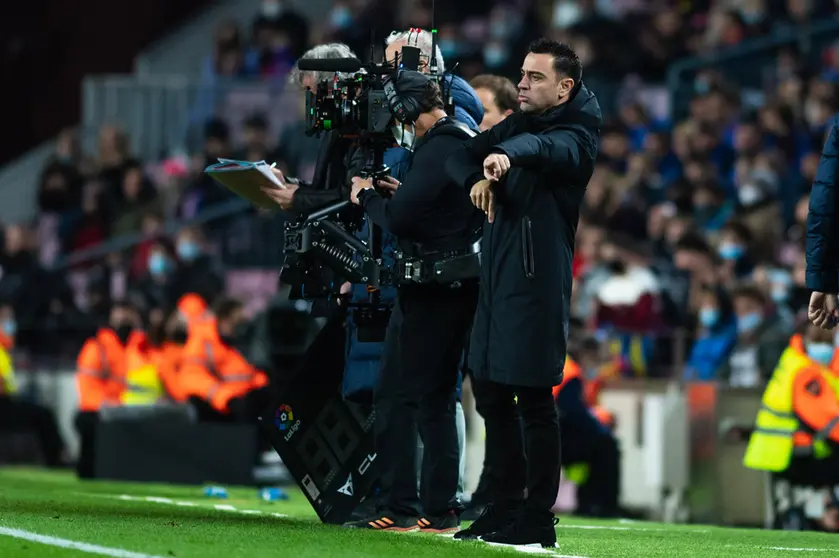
point(405, 111)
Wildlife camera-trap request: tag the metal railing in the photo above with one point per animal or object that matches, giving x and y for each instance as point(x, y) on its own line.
point(750, 64)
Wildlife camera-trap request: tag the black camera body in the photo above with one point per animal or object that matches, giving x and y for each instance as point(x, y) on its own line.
point(355, 107)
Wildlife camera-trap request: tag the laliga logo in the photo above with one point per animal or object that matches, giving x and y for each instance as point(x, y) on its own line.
point(284, 419)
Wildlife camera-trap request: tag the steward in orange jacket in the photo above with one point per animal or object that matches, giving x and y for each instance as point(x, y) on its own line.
point(100, 378)
point(590, 390)
point(584, 440)
point(171, 356)
point(219, 381)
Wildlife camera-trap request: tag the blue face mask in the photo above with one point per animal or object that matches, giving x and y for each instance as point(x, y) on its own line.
point(749, 322)
point(158, 265)
point(188, 250)
point(495, 57)
point(709, 317)
point(731, 252)
point(9, 328)
point(341, 18)
point(448, 48)
point(820, 352)
point(780, 294)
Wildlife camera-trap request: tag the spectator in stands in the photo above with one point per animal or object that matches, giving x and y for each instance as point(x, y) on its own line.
point(498, 96)
point(256, 144)
point(761, 339)
point(272, 54)
point(156, 288)
point(205, 192)
point(629, 299)
point(86, 226)
point(196, 272)
point(280, 16)
point(734, 249)
point(113, 154)
point(716, 335)
point(133, 201)
point(60, 188)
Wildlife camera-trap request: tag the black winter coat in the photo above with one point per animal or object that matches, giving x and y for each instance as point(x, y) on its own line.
point(521, 325)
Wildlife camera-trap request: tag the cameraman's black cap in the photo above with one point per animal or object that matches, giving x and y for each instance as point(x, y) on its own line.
point(411, 84)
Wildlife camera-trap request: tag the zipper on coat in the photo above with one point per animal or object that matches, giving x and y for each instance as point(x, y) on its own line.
point(527, 247)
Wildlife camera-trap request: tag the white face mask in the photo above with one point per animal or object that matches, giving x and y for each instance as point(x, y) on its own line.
point(749, 194)
point(404, 136)
point(566, 14)
point(272, 8)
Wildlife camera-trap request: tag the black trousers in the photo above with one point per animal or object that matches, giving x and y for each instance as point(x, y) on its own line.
point(87, 424)
point(243, 409)
point(521, 453)
point(425, 348)
point(598, 497)
point(18, 415)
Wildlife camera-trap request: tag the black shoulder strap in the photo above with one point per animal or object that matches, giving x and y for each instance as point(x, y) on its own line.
point(457, 129)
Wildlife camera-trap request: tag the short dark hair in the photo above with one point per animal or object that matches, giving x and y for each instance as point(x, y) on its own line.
point(432, 98)
point(225, 307)
point(566, 61)
point(693, 242)
point(750, 292)
point(504, 90)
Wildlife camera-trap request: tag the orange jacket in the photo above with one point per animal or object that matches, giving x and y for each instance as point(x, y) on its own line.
point(573, 370)
point(195, 311)
point(100, 371)
point(216, 372)
point(814, 401)
point(169, 361)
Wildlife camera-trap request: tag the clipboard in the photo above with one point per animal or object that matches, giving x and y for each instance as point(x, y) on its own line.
point(245, 178)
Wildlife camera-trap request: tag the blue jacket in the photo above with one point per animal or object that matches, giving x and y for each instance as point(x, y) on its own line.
point(710, 351)
point(362, 363)
point(822, 242)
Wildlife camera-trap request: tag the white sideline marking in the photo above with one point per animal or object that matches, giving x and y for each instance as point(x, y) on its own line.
point(784, 548)
point(72, 545)
point(616, 528)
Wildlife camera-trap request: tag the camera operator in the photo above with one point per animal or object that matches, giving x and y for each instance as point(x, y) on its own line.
point(337, 160)
point(429, 214)
point(529, 174)
point(468, 111)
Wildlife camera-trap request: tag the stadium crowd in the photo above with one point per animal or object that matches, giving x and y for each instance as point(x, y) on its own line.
point(682, 211)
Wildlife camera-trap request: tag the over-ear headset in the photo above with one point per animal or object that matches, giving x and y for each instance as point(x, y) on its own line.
point(405, 110)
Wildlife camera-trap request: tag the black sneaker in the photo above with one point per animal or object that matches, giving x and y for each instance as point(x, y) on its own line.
point(527, 530)
point(492, 519)
point(386, 521)
point(365, 510)
point(439, 524)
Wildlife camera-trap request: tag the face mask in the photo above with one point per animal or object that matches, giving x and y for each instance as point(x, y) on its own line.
point(10, 328)
point(751, 18)
point(731, 252)
point(701, 86)
point(765, 176)
point(341, 18)
point(749, 322)
point(749, 195)
point(566, 14)
point(123, 332)
point(779, 294)
point(448, 48)
point(499, 29)
point(820, 352)
point(188, 251)
point(272, 9)
point(495, 56)
point(709, 317)
point(404, 137)
point(157, 264)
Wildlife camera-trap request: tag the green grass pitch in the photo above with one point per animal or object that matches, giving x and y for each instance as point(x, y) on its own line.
point(54, 515)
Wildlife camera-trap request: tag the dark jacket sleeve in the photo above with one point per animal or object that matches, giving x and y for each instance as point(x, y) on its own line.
point(822, 266)
point(559, 151)
point(465, 165)
point(341, 164)
point(419, 190)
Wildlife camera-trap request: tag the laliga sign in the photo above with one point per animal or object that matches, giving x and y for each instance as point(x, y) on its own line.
point(284, 421)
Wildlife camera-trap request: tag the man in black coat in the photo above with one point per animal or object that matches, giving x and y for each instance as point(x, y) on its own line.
point(529, 174)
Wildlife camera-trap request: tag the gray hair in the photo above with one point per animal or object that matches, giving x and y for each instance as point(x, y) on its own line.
point(420, 39)
point(322, 52)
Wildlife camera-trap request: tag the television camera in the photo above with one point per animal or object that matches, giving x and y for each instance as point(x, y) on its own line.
point(322, 249)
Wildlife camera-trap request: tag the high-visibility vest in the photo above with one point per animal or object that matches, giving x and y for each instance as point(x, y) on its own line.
point(143, 386)
point(772, 444)
point(8, 386)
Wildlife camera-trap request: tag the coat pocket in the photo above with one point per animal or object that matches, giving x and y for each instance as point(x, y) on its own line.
point(527, 247)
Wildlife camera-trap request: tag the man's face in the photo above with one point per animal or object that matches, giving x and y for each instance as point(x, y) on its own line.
point(745, 306)
point(492, 114)
point(255, 137)
point(540, 87)
point(393, 52)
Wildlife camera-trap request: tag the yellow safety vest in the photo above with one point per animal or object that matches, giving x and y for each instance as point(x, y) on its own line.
point(8, 386)
point(771, 445)
point(143, 386)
